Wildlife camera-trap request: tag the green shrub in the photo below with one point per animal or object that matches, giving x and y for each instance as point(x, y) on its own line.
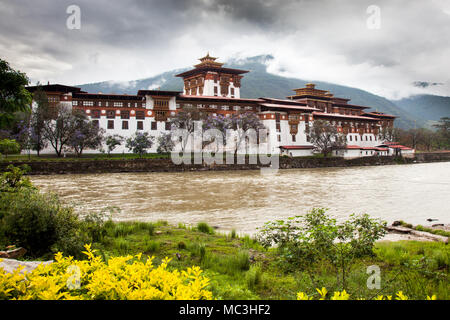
point(205, 228)
point(122, 229)
point(9, 147)
point(40, 223)
point(253, 277)
point(122, 244)
point(181, 245)
point(151, 246)
point(308, 241)
point(198, 249)
point(233, 234)
point(151, 229)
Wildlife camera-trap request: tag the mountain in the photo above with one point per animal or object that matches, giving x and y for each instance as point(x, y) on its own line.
point(428, 107)
point(259, 83)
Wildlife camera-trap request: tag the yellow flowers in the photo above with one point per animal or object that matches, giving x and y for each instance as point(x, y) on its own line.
point(121, 278)
point(345, 296)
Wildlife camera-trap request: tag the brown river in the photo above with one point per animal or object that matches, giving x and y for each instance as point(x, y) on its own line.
point(245, 200)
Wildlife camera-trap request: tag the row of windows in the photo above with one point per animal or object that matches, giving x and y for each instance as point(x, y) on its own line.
point(107, 104)
point(111, 114)
point(161, 103)
point(140, 125)
point(213, 106)
point(350, 138)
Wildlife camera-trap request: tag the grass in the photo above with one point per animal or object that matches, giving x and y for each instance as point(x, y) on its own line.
point(239, 268)
point(84, 157)
point(422, 228)
point(205, 228)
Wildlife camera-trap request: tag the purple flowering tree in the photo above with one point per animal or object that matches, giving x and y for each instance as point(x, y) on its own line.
point(243, 122)
point(86, 134)
point(220, 123)
point(185, 120)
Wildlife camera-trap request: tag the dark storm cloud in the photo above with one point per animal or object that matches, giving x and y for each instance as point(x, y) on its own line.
point(125, 39)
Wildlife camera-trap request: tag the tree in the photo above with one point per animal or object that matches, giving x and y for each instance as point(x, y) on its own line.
point(86, 134)
point(307, 241)
point(59, 131)
point(241, 123)
point(112, 142)
point(220, 123)
point(13, 95)
point(139, 143)
point(39, 115)
point(8, 146)
point(165, 143)
point(443, 130)
point(185, 120)
point(389, 134)
point(325, 137)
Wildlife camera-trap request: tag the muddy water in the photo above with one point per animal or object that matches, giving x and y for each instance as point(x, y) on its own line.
point(244, 200)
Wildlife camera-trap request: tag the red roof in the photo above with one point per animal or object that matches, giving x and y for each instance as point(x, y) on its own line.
point(353, 147)
point(334, 115)
point(284, 106)
point(218, 98)
point(379, 114)
point(297, 147)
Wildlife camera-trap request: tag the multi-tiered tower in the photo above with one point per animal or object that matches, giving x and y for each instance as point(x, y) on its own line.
point(210, 78)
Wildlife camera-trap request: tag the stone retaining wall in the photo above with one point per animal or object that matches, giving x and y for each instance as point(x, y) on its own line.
point(166, 165)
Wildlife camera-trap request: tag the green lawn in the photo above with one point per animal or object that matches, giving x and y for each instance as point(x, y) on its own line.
point(239, 268)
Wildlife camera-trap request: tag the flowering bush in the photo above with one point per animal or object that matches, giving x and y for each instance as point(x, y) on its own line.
point(120, 278)
point(345, 296)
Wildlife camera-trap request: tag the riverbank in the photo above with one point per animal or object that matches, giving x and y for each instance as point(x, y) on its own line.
point(99, 165)
point(239, 268)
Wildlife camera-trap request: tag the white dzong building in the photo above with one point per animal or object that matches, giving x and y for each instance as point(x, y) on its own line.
point(216, 90)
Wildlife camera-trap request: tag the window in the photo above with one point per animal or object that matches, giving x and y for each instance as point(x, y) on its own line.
point(140, 125)
point(350, 138)
point(294, 138)
point(110, 114)
point(118, 104)
point(167, 126)
point(125, 114)
point(88, 103)
point(232, 91)
point(279, 138)
point(110, 124)
point(99, 103)
point(160, 103)
point(140, 115)
point(225, 108)
point(74, 103)
point(216, 91)
point(356, 138)
point(124, 125)
point(154, 126)
point(277, 121)
point(95, 114)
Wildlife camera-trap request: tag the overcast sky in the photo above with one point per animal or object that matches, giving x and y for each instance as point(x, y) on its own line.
point(327, 40)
